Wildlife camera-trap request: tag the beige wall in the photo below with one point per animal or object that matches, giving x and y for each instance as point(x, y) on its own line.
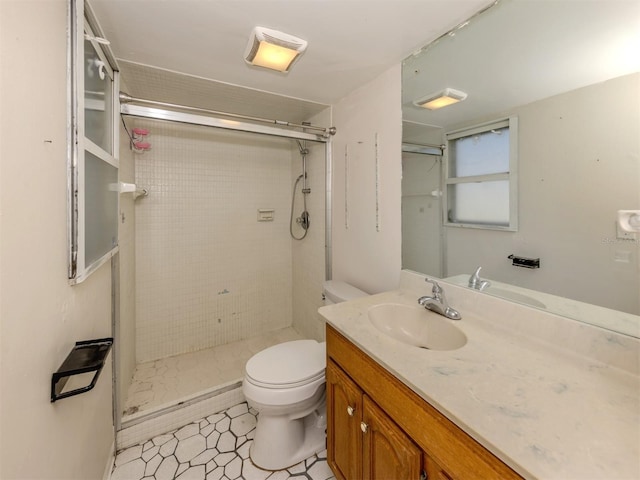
point(363, 256)
point(41, 315)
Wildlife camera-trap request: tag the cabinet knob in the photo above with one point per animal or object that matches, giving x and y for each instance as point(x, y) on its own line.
point(364, 427)
point(350, 410)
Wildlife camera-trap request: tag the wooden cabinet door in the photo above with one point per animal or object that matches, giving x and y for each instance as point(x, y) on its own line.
point(433, 470)
point(344, 413)
point(389, 454)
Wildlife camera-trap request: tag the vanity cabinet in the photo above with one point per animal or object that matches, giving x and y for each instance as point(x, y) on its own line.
point(364, 442)
point(379, 429)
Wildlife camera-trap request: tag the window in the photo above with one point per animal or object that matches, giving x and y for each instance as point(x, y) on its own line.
point(93, 158)
point(481, 177)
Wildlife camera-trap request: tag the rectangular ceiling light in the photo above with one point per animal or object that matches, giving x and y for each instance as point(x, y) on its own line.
point(272, 49)
point(446, 97)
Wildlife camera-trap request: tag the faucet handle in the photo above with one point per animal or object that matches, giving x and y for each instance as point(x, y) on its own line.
point(474, 279)
point(478, 283)
point(437, 289)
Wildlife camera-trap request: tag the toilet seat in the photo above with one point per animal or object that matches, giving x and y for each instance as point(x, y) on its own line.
point(287, 365)
point(302, 383)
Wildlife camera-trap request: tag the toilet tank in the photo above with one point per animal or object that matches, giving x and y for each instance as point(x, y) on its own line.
point(336, 291)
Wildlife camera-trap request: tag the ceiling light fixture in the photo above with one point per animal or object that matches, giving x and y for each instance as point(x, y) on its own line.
point(272, 49)
point(446, 97)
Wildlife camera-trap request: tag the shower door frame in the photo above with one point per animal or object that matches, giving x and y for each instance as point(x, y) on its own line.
point(215, 122)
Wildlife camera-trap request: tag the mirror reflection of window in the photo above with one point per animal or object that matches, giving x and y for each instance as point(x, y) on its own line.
point(482, 153)
point(481, 189)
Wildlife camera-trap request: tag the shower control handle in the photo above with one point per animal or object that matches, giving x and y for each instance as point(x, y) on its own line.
point(303, 220)
point(350, 411)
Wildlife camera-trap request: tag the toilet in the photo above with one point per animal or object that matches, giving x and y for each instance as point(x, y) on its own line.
point(285, 383)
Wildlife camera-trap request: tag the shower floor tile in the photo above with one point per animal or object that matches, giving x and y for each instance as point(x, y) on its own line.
point(213, 448)
point(170, 380)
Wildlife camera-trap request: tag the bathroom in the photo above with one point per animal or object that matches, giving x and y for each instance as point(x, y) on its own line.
point(42, 316)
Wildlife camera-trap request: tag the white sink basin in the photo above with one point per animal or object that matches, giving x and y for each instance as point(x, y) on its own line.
point(416, 326)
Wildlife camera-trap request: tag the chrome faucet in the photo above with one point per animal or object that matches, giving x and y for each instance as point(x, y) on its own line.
point(476, 282)
point(438, 302)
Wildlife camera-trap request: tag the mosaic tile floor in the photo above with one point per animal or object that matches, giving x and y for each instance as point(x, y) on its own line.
point(172, 379)
point(214, 448)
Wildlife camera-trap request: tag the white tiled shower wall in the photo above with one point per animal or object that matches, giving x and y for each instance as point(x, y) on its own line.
point(208, 272)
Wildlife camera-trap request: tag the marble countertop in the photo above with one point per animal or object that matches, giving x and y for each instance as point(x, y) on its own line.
point(585, 312)
point(543, 409)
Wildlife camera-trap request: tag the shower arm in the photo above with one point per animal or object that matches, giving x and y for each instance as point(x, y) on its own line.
point(125, 98)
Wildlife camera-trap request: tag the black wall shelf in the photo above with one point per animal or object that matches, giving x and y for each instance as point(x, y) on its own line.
point(85, 357)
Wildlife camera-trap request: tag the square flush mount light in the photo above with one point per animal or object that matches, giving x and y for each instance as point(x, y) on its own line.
point(446, 97)
point(272, 49)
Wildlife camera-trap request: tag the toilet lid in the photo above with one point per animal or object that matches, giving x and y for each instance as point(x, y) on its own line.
point(288, 363)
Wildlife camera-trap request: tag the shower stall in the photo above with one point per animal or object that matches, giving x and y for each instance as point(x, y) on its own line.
point(227, 261)
point(422, 244)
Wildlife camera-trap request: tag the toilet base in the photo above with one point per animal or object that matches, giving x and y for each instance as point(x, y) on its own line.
point(280, 443)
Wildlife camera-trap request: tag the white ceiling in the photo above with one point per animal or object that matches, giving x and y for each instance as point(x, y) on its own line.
point(350, 41)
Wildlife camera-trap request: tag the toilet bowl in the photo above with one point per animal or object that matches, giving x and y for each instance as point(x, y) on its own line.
point(285, 383)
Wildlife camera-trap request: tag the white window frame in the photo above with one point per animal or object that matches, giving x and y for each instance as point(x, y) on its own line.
point(511, 176)
point(80, 22)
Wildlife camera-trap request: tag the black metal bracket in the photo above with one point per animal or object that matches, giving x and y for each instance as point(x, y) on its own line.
point(524, 262)
point(85, 357)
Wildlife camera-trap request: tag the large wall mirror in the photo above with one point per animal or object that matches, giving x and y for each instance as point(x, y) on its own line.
point(567, 74)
